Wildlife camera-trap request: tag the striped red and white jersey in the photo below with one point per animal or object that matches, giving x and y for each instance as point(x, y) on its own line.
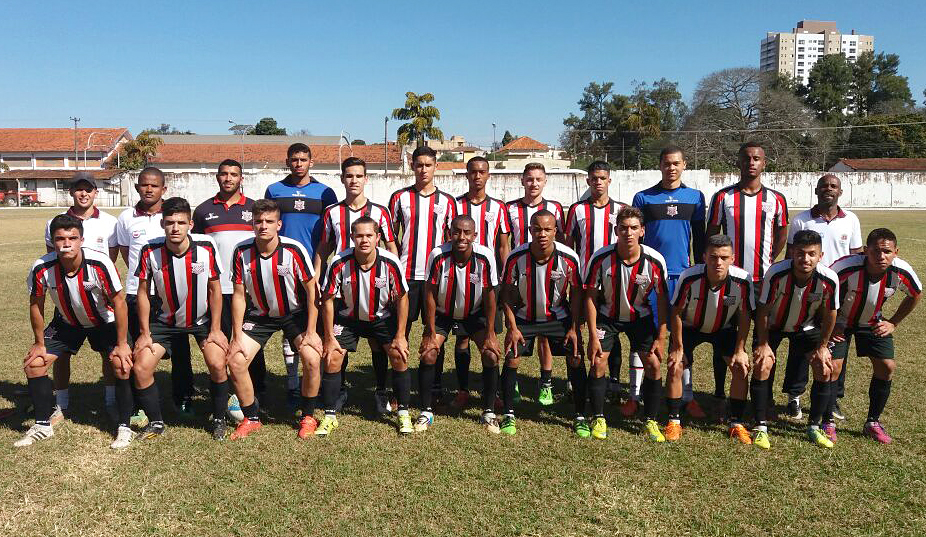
point(519, 218)
point(794, 308)
point(862, 299)
point(707, 309)
point(424, 221)
point(623, 290)
point(592, 227)
point(81, 299)
point(364, 295)
point(543, 288)
point(338, 218)
point(273, 283)
point(750, 220)
point(490, 216)
point(460, 288)
point(180, 281)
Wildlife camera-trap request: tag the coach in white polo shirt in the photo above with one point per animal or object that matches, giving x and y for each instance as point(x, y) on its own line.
point(99, 227)
point(839, 228)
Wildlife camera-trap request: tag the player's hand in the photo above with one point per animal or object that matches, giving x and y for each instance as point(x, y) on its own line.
point(658, 349)
point(36, 352)
point(513, 341)
point(763, 353)
point(217, 337)
point(143, 342)
point(234, 348)
point(883, 328)
point(428, 342)
point(310, 339)
point(739, 362)
point(121, 358)
point(401, 346)
point(572, 340)
point(595, 353)
point(331, 346)
point(823, 357)
point(676, 356)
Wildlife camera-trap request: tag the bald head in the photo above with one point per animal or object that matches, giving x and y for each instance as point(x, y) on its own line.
point(829, 177)
point(828, 190)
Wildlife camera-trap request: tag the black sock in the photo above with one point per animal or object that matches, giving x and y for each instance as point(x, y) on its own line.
point(257, 370)
point(461, 361)
point(819, 400)
point(720, 375)
point(331, 385)
point(878, 392)
point(831, 404)
point(307, 403)
point(219, 393)
point(124, 401)
point(674, 405)
point(344, 372)
point(489, 387)
point(596, 390)
point(737, 407)
point(758, 391)
point(150, 402)
point(439, 371)
point(652, 393)
point(425, 383)
point(579, 379)
point(250, 411)
point(509, 378)
point(546, 377)
point(43, 398)
point(380, 367)
point(402, 384)
point(614, 361)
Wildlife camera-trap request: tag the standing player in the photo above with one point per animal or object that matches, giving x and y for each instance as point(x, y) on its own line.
point(618, 282)
point(183, 270)
point(85, 288)
point(276, 273)
point(364, 295)
point(712, 303)
point(842, 235)
point(460, 291)
point(866, 281)
point(541, 289)
point(301, 200)
point(493, 233)
point(798, 301)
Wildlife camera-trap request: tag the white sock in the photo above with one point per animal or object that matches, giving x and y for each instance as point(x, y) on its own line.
point(109, 395)
point(687, 391)
point(62, 398)
point(636, 375)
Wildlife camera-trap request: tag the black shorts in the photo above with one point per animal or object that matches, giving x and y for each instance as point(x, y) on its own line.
point(801, 343)
point(415, 302)
point(554, 331)
point(169, 336)
point(722, 341)
point(462, 327)
point(62, 338)
point(349, 331)
point(260, 328)
point(640, 332)
point(131, 302)
point(866, 344)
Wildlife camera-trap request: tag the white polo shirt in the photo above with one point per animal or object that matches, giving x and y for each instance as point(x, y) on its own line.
point(99, 231)
point(134, 228)
point(840, 234)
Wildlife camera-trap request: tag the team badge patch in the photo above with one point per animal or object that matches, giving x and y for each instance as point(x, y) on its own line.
point(557, 275)
point(284, 270)
point(474, 279)
point(729, 300)
point(90, 286)
point(814, 297)
point(612, 219)
point(641, 279)
point(769, 206)
point(299, 205)
point(381, 283)
point(197, 268)
point(889, 292)
point(672, 210)
point(137, 233)
point(246, 216)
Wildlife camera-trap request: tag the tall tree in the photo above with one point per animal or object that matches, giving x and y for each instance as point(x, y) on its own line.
point(828, 88)
point(507, 138)
point(897, 141)
point(665, 97)
point(268, 127)
point(419, 117)
point(135, 154)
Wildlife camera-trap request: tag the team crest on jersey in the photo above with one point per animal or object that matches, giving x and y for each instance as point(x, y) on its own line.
point(99, 240)
point(641, 279)
point(299, 205)
point(814, 297)
point(889, 292)
point(137, 233)
point(490, 215)
point(381, 283)
point(769, 206)
point(246, 216)
point(612, 219)
point(557, 274)
point(211, 216)
point(197, 268)
point(284, 270)
point(844, 238)
point(729, 300)
point(474, 279)
point(90, 286)
point(672, 210)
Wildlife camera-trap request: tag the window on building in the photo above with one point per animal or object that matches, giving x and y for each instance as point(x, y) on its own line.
point(800, 49)
point(851, 51)
point(800, 63)
point(800, 56)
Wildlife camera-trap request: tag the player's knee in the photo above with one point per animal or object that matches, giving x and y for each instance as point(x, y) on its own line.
point(429, 357)
point(884, 369)
point(513, 362)
point(489, 358)
point(675, 368)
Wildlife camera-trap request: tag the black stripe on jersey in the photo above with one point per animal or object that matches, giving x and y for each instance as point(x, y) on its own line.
point(381, 268)
point(103, 274)
point(740, 223)
point(452, 285)
point(311, 206)
point(257, 280)
point(787, 306)
point(66, 293)
point(702, 303)
point(356, 273)
point(760, 236)
point(193, 288)
point(861, 299)
point(277, 260)
point(172, 276)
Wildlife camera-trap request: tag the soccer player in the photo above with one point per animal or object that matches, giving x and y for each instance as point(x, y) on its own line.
point(712, 303)
point(866, 282)
point(277, 274)
point(493, 233)
point(674, 221)
point(842, 235)
point(541, 286)
point(302, 201)
point(618, 281)
point(85, 288)
point(100, 235)
point(183, 270)
point(364, 295)
point(460, 291)
point(798, 301)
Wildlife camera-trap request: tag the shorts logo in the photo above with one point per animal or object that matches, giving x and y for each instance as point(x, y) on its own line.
point(381, 283)
point(889, 292)
point(247, 326)
point(337, 330)
point(600, 333)
point(197, 268)
point(299, 205)
point(50, 332)
point(284, 270)
point(246, 216)
point(814, 297)
point(672, 210)
point(475, 279)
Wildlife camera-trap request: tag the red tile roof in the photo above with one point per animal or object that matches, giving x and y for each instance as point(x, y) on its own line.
point(56, 174)
point(270, 155)
point(524, 143)
point(886, 164)
point(28, 140)
point(451, 165)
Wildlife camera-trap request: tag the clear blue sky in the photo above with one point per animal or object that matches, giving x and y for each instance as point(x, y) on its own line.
point(328, 66)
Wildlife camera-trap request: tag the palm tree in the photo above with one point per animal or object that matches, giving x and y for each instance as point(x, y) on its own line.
point(420, 118)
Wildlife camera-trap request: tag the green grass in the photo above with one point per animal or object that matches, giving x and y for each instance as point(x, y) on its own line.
point(456, 479)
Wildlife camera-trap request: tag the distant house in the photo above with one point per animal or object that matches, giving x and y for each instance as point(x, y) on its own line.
point(454, 142)
point(524, 149)
point(880, 165)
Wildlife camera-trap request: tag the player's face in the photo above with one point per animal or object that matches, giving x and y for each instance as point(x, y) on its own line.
point(672, 165)
point(752, 162)
point(299, 164)
point(477, 173)
point(881, 254)
point(804, 259)
point(462, 234)
point(365, 238)
point(267, 225)
point(150, 189)
point(84, 195)
point(176, 227)
point(718, 260)
point(598, 182)
point(828, 190)
point(629, 231)
point(354, 179)
point(229, 179)
point(543, 231)
point(424, 167)
point(533, 182)
point(67, 243)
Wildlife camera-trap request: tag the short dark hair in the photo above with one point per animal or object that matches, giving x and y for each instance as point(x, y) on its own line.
point(353, 161)
point(462, 218)
point(230, 162)
point(719, 241)
point(533, 166)
point(629, 212)
point(65, 221)
point(176, 205)
point(807, 237)
point(598, 165)
point(264, 206)
point(747, 145)
point(476, 159)
point(880, 234)
point(424, 151)
point(298, 147)
point(541, 213)
point(671, 149)
point(151, 170)
point(364, 220)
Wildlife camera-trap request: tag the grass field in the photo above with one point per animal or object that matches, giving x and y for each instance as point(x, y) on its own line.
point(456, 479)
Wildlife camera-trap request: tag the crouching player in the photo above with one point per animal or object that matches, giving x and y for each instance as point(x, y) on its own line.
point(364, 295)
point(712, 304)
point(277, 274)
point(460, 290)
point(866, 281)
point(89, 305)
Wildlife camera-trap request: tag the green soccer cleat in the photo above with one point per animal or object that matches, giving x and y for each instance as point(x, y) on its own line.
point(508, 425)
point(760, 439)
point(329, 423)
point(580, 427)
point(818, 437)
point(600, 428)
point(652, 430)
point(139, 420)
point(405, 424)
point(545, 397)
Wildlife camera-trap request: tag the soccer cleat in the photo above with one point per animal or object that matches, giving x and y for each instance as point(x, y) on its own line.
point(837, 412)
point(794, 409)
point(139, 420)
point(652, 430)
point(234, 411)
point(829, 429)
point(424, 421)
point(329, 423)
point(152, 430)
point(219, 429)
point(629, 408)
point(508, 425)
point(580, 428)
point(57, 417)
point(341, 400)
point(545, 397)
point(382, 401)
point(124, 437)
point(490, 422)
point(34, 434)
point(673, 431)
point(308, 426)
point(740, 433)
point(760, 439)
point(405, 424)
point(245, 428)
point(600, 428)
point(818, 437)
point(460, 401)
point(694, 410)
point(876, 431)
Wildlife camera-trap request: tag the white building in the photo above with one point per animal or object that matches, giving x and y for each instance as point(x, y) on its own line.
point(795, 53)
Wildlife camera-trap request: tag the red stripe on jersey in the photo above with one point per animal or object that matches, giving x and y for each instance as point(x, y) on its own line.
point(167, 275)
point(548, 289)
point(188, 261)
point(719, 318)
point(702, 305)
point(907, 282)
point(372, 312)
point(342, 209)
point(880, 301)
point(228, 227)
point(757, 259)
point(38, 288)
point(738, 242)
point(631, 287)
point(85, 299)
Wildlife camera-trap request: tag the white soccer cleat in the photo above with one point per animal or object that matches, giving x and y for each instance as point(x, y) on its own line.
point(34, 434)
point(124, 437)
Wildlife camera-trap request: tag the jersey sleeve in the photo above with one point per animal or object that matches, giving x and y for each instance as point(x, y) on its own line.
point(793, 228)
point(327, 231)
point(559, 216)
point(909, 282)
point(504, 225)
point(385, 226)
point(855, 241)
point(48, 235)
point(199, 225)
point(395, 209)
point(832, 301)
point(451, 212)
point(141, 271)
point(681, 291)
point(511, 272)
point(398, 286)
point(716, 210)
point(592, 277)
point(750, 298)
point(110, 276)
point(492, 279)
point(570, 220)
point(329, 197)
point(237, 268)
point(122, 233)
point(433, 275)
point(781, 218)
point(331, 284)
point(765, 290)
point(215, 268)
point(35, 282)
point(301, 257)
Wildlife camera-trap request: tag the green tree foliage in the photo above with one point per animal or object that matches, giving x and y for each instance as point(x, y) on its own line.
point(358, 141)
point(828, 88)
point(267, 127)
point(135, 154)
point(419, 117)
point(890, 141)
point(166, 128)
point(507, 138)
point(877, 86)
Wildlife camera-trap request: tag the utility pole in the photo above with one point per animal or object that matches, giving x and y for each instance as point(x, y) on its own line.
point(494, 145)
point(386, 147)
point(76, 159)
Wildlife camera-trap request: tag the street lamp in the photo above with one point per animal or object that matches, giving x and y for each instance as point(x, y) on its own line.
point(341, 141)
point(241, 130)
point(88, 147)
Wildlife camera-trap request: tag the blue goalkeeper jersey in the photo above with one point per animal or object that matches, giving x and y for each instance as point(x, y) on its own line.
point(673, 220)
point(301, 209)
